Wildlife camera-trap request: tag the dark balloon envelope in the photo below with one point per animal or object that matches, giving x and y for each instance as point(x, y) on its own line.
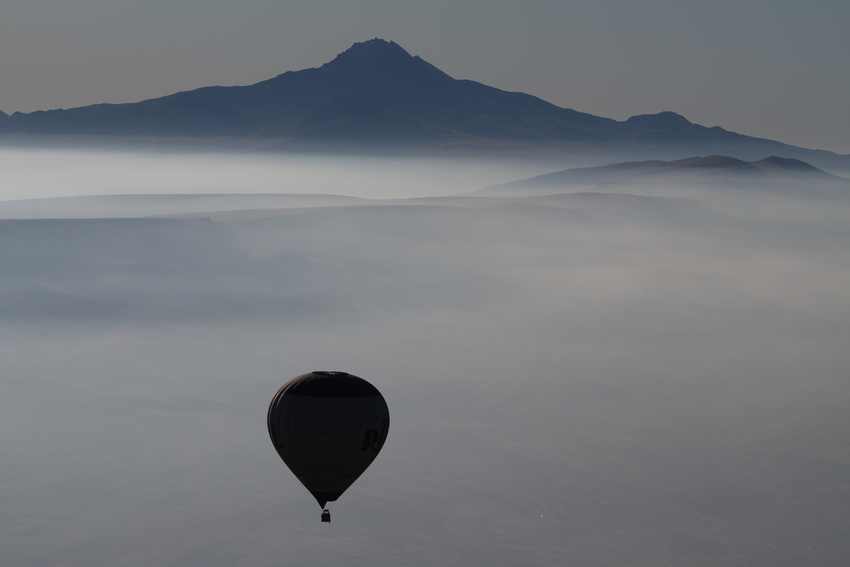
point(328, 427)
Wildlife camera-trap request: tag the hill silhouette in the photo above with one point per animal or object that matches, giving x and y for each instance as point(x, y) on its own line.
point(377, 93)
point(773, 171)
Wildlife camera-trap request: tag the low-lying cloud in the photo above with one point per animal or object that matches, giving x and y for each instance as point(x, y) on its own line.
point(571, 380)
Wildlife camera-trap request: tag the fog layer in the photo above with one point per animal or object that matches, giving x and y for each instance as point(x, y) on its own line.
point(581, 379)
point(32, 174)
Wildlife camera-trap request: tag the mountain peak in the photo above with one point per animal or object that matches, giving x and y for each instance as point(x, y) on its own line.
point(372, 50)
point(377, 44)
point(379, 59)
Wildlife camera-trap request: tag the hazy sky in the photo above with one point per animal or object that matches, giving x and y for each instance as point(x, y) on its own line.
point(775, 68)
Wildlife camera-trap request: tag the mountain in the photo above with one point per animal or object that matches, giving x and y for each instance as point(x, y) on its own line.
point(773, 172)
point(376, 93)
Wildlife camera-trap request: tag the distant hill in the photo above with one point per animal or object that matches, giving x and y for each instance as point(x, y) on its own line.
point(377, 94)
point(723, 171)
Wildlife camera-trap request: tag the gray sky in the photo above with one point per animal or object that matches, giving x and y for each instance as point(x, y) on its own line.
point(775, 68)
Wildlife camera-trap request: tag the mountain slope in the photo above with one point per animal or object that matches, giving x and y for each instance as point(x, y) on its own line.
point(709, 171)
point(377, 93)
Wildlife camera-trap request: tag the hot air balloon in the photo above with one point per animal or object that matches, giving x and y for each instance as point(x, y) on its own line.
point(328, 427)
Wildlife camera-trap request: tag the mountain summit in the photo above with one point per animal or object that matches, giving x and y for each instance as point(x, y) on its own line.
point(379, 60)
point(373, 49)
point(376, 93)
point(375, 54)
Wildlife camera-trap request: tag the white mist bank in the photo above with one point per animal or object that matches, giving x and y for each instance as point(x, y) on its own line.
point(29, 174)
point(581, 379)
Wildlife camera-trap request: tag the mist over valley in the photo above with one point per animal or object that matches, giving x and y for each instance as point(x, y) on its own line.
point(600, 375)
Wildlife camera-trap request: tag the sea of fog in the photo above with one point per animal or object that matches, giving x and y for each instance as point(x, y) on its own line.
point(621, 380)
point(31, 174)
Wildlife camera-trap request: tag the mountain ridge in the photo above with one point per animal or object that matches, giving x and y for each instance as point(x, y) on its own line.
point(376, 92)
point(706, 170)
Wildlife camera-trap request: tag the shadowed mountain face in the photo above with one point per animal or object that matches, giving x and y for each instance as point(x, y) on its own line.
point(721, 171)
point(377, 93)
point(374, 91)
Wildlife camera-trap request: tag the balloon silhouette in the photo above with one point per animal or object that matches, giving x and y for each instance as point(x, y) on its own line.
point(328, 427)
